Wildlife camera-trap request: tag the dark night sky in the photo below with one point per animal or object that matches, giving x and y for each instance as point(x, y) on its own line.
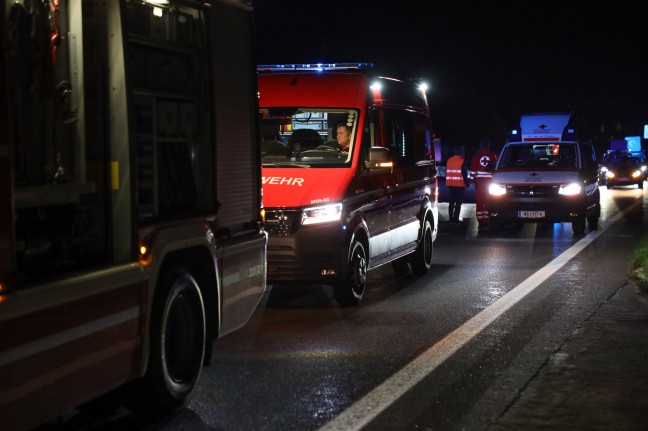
point(488, 62)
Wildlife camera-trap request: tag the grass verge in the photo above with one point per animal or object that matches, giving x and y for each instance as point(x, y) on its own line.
point(638, 269)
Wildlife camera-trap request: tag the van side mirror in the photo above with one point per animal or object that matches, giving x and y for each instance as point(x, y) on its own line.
point(379, 161)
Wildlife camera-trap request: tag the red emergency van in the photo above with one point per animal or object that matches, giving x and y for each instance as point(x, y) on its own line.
point(336, 208)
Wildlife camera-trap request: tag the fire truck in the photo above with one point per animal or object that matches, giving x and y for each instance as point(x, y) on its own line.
point(131, 225)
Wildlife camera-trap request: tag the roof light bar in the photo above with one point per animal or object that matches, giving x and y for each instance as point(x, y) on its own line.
point(312, 67)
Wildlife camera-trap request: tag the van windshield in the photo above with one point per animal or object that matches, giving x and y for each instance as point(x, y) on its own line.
point(557, 155)
point(307, 137)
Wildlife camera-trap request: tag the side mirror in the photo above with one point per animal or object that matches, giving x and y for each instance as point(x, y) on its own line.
point(379, 161)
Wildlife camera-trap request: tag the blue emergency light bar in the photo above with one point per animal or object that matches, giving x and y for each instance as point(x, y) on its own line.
point(317, 67)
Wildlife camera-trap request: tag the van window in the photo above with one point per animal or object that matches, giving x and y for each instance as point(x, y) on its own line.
point(589, 156)
point(553, 155)
point(408, 135)
point(306, 136)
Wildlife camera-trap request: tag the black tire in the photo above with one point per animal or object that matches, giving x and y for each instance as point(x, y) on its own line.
point(350, 292)
point(401, 265)
point(578, 226)
point(422, 258)
point(177, 347)
point(592, 222)
point(640, 185)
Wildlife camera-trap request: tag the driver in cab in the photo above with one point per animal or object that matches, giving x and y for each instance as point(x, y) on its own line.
point(342, 138)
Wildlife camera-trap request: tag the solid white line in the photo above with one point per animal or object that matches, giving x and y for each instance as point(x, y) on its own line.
point(375, 402)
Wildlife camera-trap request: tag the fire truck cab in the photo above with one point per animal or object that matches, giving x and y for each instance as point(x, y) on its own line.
point(546, 174)
point(336, 208)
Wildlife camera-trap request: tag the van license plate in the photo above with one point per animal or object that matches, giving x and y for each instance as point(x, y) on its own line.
point(531, 214)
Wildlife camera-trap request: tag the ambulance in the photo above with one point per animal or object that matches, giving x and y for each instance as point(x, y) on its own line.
point(335, 210)
point(545, 174)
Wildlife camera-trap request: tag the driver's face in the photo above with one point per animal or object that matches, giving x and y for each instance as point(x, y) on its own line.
point(343, 136)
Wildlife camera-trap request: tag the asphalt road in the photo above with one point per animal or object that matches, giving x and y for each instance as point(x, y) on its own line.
point(303, 362)
point(449, 350)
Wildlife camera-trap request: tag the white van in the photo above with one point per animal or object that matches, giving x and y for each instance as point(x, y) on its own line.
point(545, 174)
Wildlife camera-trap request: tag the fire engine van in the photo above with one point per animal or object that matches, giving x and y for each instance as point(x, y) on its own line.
point(131, 222)
point(545, 174)
point(334, 211)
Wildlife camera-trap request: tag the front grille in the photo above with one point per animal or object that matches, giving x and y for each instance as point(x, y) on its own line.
point(282, 222)
point(532, 191)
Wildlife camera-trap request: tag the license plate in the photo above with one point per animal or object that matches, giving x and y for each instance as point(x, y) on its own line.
point(623, 179)
point(531, 214)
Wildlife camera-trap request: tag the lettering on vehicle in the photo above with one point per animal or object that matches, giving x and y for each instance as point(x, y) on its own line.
point(283, 181)
point(319, 201)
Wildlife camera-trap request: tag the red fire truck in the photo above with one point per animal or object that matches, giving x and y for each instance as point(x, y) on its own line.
point(131, 228)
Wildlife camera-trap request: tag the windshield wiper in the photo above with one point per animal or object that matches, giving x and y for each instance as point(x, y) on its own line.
point(291, 164)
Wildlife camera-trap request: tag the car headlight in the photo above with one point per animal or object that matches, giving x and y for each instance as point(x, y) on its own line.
point(570, 189)
point(322, 214)
point(636, 174)
point(604, 169)
point(496, 189)
point(609, 174)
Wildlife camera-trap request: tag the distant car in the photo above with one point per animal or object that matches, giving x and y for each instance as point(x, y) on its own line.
point(625, 171)
point(644, 162)
point(606, 159)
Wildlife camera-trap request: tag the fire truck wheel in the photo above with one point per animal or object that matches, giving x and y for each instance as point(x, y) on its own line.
point(350, 293)
point(177, 346)
point(422, 259)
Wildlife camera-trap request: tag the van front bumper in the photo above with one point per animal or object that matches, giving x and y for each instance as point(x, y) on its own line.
point(314, 254)
point(528, 210)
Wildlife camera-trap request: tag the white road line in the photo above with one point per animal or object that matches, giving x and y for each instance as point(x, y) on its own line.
point(371, 405)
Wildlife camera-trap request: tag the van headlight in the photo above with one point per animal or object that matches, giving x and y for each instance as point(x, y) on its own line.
point(636, 174)
point(322, 214)
point(496, 189)
point(570, 189)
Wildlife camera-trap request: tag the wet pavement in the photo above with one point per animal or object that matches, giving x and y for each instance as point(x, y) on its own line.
point(598, 379)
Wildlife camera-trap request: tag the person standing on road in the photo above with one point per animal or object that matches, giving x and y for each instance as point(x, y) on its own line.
point(456, 182)
point(481, 172)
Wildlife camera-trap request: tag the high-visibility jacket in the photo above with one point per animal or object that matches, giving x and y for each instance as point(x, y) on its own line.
point(454, 174)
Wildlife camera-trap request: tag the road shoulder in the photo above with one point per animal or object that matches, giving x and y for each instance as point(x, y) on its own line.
point(598, 379)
